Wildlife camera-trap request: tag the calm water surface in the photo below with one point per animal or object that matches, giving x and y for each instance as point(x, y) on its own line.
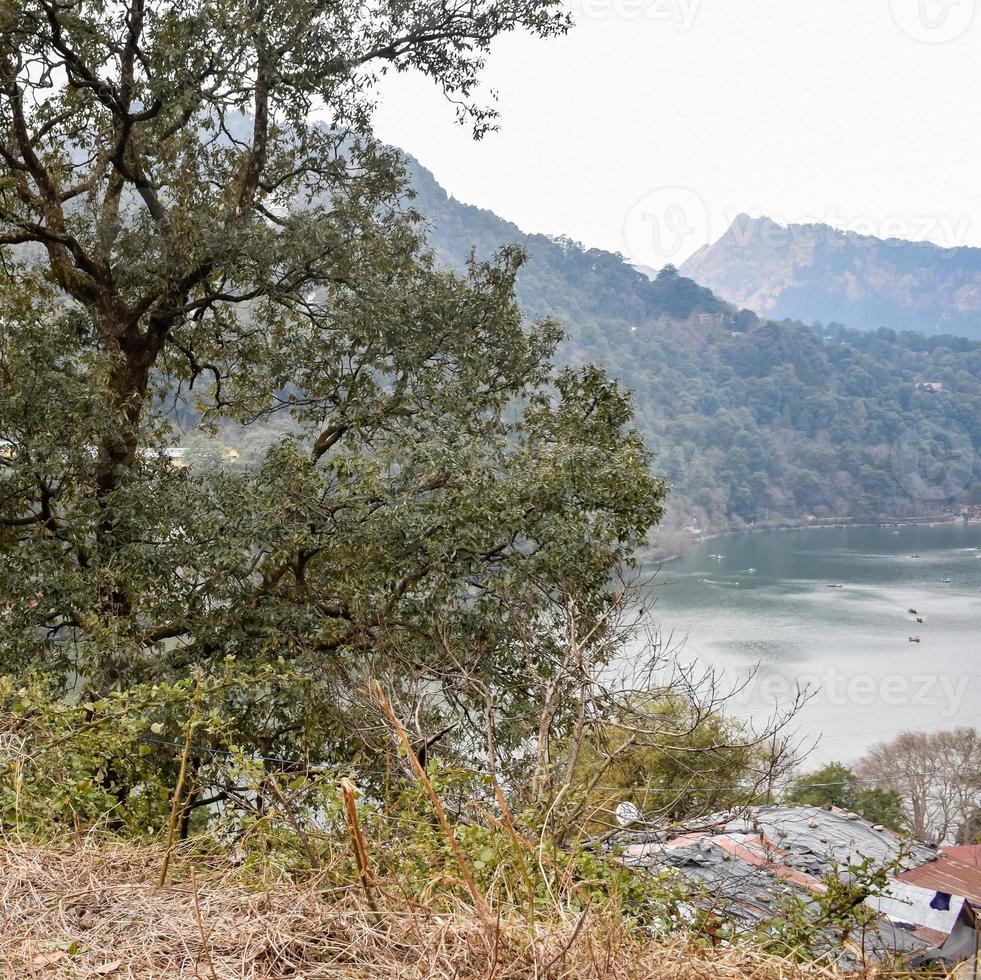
point(851, 642)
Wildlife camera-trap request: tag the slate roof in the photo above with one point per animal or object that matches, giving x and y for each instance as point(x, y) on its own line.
point(749, 864)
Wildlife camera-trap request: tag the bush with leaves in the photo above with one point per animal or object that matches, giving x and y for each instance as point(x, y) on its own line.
point(115, 762)
point(834, 919)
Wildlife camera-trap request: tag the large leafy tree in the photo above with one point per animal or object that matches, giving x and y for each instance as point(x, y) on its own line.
point(837, 785)
point(182, 245)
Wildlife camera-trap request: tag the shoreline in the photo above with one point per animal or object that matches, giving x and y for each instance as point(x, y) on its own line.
point(820, 524)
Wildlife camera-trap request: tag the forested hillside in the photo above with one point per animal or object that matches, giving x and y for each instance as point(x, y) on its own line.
point(752, 420)
point(582, 286)
point(785, 421)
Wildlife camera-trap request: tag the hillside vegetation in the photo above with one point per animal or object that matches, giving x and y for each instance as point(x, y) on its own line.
point(215, 925)
point(784, 421)
point(751, 420)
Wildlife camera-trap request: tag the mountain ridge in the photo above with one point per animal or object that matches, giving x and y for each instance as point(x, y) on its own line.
point(603, 282)
point(816, 272)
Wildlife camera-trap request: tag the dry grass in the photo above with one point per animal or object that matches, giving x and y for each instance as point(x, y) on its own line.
point(95, 911)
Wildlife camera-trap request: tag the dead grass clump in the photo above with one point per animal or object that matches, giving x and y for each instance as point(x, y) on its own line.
point(96, 911)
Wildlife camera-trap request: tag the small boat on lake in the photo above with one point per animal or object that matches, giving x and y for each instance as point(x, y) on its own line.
point(912, 612)
point(834, 585)
point(919, 619)
point(914, 639)
point(946, 581)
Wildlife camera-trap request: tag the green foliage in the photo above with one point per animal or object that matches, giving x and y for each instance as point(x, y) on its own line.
point(113, 765)
point(881, 806)
point(837, 785)
point(832, 785)
point(113, 761)
point(809, 928)
point(669, 760)
point(183, 247)
point(84, 764)
point(517, 866)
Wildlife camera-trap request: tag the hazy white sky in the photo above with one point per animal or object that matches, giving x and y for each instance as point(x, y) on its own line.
point(654, 122)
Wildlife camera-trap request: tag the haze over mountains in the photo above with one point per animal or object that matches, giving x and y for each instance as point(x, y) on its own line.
point(817, 272)
point(752, 420)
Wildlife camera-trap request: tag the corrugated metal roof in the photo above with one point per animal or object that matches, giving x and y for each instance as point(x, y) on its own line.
point(816, 838)
point(956, 871)
point(755, 849)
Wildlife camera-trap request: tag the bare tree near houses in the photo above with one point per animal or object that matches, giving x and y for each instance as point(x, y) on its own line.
point(938, 776)
point(620, 718)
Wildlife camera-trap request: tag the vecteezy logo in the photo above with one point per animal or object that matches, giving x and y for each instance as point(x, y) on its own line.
point(934, 459)
point(933, 21)
point(665, 226)
point(680, 14)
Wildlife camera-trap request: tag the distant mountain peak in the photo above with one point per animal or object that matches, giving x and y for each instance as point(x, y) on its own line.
point(743, 220)
point(815, 271)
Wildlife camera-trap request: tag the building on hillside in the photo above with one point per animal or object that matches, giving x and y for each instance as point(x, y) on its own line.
point(956, 870)
point(946, 923)
point(753, 863)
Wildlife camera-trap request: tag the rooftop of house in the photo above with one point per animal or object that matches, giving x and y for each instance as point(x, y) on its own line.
point(754, 862)
point(955, 870)
point(808, 839)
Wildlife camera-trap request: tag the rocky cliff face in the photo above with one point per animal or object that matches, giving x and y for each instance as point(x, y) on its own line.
point(816, 272)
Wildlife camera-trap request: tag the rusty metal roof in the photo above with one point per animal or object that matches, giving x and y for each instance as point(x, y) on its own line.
point(957, 871)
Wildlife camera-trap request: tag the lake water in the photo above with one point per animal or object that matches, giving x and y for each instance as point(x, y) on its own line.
point(851, 643)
